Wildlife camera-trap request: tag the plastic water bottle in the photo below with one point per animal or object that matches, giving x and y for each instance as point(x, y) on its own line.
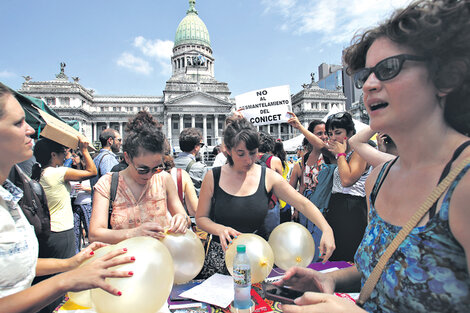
point(242, 279)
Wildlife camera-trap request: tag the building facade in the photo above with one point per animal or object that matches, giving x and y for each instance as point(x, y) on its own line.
point(192, 96)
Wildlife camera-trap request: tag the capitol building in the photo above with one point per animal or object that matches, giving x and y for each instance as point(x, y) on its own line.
point(192, 96)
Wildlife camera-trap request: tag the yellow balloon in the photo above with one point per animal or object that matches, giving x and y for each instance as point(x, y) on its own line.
point(83, 298)
point(188, 255)
point(292, 245)
point(259, 252)
point(148, 289)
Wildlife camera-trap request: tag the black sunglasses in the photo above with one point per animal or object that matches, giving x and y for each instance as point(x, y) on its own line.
point(146, 170)
point(337, 116)
point(384, 70)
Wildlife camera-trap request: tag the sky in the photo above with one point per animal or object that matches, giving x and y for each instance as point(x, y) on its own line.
point(122, 47)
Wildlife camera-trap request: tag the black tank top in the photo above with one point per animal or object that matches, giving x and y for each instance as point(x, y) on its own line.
point(243, 213)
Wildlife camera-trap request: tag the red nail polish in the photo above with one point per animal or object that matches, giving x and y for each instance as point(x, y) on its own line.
point(125, 249)
point(92, 253)
point(132, 258)
point(119, 293)
point(131, 273)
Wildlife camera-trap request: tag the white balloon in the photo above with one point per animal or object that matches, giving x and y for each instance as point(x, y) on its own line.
point(292, 245)
point(259, 253)
point(188, 255)
point(148, 289)
point(83, 298)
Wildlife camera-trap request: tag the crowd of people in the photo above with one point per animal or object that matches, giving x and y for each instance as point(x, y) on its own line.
point(353, 197)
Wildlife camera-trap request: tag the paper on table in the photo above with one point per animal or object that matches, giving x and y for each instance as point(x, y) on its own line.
point(216, 290)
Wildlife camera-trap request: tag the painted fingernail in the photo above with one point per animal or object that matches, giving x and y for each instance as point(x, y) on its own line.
point(236, 237)
point(124, 249)
point(226, 247)
point(131, 273)
point(92, 253)
point(119, 293)
point(230, 241)
point(132, 258)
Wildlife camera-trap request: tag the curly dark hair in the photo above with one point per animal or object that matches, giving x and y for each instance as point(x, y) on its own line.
point(189, 138)
point(143, 132)
point(266, 142)
point(238, 130)
point(438, 30)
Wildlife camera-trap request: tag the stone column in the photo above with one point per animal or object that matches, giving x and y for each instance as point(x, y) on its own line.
point(216, 129)
point(181, 123)
point(279, 130)
point(204, 129)
point(120, 128)
point(107, 124)
point(289, 129)
point(168, 129)
point(193, 121)
point(94, 126)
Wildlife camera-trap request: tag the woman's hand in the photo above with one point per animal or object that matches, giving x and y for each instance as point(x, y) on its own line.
point(336, 147)
point(320, 302)
point(83, 143)
point(294, 121)
point(93, 275)
point(306, 279)
point(327, 245)
point(84, 255)
point(226, 236)
point(179, 223)
point(150, 229)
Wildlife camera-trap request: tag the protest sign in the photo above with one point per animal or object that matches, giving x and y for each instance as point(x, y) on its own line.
point(265, 106)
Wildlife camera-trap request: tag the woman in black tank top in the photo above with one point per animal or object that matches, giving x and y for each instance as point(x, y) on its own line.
point(234, 198)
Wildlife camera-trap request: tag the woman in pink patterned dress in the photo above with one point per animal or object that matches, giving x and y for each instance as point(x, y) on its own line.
point(145, 192)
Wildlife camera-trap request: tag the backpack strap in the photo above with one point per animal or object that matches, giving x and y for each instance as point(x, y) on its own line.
point(105, 153)
point(190, 164)
point(112, 195)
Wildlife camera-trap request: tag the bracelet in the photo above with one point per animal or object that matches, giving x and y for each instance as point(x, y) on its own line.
point(340, 154)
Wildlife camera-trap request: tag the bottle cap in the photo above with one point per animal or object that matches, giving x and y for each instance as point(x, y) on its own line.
point(241, 248)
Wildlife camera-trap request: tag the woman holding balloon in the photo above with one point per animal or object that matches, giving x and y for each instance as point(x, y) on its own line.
point(414, 70)
point(18, 243)
point(234, 198)
point(145, 192)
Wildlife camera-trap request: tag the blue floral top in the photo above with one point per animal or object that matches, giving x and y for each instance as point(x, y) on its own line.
point(427, 273)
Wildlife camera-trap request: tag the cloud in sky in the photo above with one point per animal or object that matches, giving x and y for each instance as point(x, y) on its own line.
point(151, 50)
point(335, 21)
point(133, 63)
point(6, 74)
point(160, 50)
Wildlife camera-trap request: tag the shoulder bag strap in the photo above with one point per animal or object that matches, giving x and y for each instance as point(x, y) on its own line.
point(112, 195)
point(433, 197)
point(179, 184)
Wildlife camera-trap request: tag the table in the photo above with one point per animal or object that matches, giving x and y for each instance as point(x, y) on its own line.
point(276, 273)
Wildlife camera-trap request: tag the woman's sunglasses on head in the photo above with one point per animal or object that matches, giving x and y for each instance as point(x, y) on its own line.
point(385, 69)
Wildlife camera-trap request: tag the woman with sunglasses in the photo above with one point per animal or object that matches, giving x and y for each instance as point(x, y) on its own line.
point(423, 104)
point(19, 262)
point(145, 192)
